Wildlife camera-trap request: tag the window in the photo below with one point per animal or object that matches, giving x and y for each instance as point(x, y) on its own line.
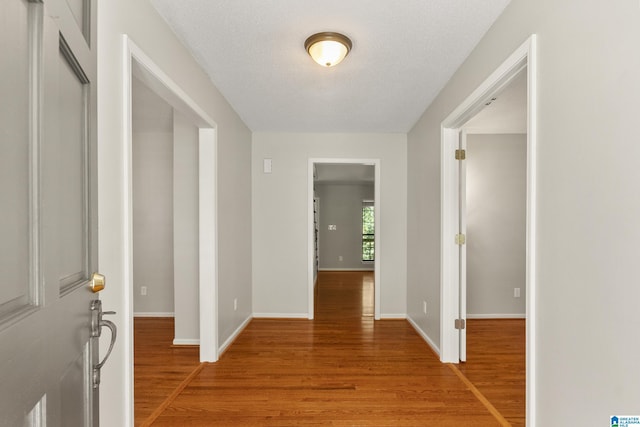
point(368, 231)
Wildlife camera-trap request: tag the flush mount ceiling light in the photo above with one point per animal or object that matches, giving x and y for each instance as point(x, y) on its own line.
point(328, 49)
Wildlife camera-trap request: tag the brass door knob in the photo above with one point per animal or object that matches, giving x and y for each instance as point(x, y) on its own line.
point(97, 282)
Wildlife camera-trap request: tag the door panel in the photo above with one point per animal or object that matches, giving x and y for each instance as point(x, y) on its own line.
point(48, 203)
point(72, 392)
point(14, 158)
point(72, 173)
point(81, 12)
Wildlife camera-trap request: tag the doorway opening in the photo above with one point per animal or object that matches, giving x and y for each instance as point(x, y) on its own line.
point(493, 258)
point(165, 218)
point(493, 209)
point(343, 220)
point(138, 65)
point(453, 267)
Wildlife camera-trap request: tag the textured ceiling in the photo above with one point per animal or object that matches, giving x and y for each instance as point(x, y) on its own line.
point(403, 54)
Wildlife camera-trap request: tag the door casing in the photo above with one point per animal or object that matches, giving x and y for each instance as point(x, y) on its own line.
point(138, 62)
point(524, 56)
point(310, 230)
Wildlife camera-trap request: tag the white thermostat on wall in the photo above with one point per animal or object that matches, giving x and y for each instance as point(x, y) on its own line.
point(266, 165)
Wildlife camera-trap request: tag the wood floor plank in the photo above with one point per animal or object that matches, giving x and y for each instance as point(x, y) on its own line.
point(496, 364)
point(341, 369)
point(159, 367)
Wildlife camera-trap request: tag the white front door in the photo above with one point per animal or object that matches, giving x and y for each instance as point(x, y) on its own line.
point(48, 243)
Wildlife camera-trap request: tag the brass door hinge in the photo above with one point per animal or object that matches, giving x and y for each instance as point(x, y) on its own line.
point(460, 323)
point(461, 154)
point(461, 239)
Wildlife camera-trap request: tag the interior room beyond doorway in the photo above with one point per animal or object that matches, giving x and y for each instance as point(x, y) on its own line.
point(344, 203)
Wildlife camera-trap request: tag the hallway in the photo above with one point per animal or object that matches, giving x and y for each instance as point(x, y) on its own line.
point(340, 369)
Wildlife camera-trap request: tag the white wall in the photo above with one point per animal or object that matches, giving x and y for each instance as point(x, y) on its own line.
point(139, 20)
point(185, 231)
point(165, 213)
point(153, 222)
point(588, 91)
point(152, 168)
point(280, 199)
point(496, 224)
point(341, 205)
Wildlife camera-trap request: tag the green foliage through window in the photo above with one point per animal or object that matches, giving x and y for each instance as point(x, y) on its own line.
point(368, 232)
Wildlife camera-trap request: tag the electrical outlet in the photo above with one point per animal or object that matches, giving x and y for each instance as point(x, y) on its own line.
point(340, 258)
point(516, 292)
point(424, 307)
point(143, 290)
point(235, 304)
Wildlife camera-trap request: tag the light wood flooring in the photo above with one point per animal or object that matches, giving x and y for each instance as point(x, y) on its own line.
point(341, 369)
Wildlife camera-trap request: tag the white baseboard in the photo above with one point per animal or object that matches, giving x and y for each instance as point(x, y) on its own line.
point(497, 316)
point(225, 345)
point(280, 315)
point(424, 336)
point(393, 316)
point(346, 269)
point(186, 341)
point(153, 314)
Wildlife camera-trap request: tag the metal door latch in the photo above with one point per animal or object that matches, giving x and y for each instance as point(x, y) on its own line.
point(97, 323)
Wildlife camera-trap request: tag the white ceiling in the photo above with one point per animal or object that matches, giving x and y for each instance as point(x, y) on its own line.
point(403, 53)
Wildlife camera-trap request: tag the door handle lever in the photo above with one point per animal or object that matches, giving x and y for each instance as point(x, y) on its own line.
point(114, 332)
point(97, 323)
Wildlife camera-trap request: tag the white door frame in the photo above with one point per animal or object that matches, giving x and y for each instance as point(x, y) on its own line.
point(310, 230)
point(134, 59)
point(524, 56)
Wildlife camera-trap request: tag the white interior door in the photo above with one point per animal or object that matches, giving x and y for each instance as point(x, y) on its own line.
point(462, 227)
point(48, 248)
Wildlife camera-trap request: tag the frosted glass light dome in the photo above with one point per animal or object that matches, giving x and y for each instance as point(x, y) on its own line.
point(328, 49)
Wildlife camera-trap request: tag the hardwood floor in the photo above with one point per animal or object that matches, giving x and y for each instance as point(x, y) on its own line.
point(341, 369)
point(496, 364)
point(159, 367)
